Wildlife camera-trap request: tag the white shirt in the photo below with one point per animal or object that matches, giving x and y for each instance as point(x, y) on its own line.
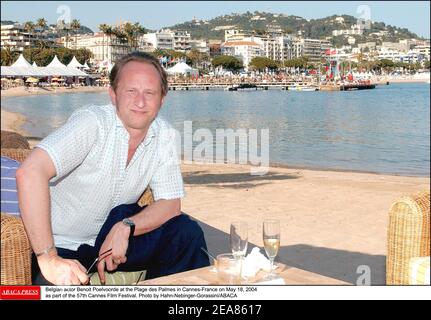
point(89, 153)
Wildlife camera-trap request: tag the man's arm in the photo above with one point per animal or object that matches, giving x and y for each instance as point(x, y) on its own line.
point(156, 214)
point(150, 218)
point(34, 199)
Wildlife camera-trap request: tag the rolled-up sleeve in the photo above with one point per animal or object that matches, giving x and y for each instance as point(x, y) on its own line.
point(68, 145)
point(167, 182)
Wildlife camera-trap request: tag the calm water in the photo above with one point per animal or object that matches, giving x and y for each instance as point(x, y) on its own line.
point(384, 130)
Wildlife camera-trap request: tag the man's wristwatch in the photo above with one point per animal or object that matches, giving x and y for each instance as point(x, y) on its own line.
point(131, 224)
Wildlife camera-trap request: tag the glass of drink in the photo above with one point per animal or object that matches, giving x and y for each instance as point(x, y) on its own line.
point(228, 269)
point(271, 241)
point(239, 238)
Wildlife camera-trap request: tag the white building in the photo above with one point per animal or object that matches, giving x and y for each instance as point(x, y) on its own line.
point(400, 46)
point(200, 45)
point(423, 50)
point(244, 50)
point(181, 40)
point(355, 29)
point(235, 35)
point(351, 40)
point(102, 46)
point(367, 46)
point(15, 37)
point(167, 39)
point(399, 56)
point(313, 49)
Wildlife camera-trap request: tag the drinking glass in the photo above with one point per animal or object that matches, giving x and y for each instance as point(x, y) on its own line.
point(271, 241)
point(239, 238)
point(228, 269)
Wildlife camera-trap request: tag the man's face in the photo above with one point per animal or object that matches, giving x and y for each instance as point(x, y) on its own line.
point(138, 97)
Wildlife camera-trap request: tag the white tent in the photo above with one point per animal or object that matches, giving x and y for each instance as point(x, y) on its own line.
point(56, 68)
point(182, 68)
point(74, 63)
point(34, 64)
point(56, 63)
point(63, 72)
point(21, 62)
point(22, 68)
point(86, 67)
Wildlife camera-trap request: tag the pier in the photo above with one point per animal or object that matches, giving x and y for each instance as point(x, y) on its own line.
point(288, 86)
point(228, 86)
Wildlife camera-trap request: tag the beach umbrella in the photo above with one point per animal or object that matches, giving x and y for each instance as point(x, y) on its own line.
point(32, 80)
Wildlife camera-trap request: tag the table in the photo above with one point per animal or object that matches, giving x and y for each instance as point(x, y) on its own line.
point(208, 276)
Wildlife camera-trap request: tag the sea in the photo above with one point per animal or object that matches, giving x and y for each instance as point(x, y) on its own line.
point(383, 130)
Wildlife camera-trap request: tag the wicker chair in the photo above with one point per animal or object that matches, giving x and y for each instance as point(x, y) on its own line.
point(408, 235)
point(15, 247)
point(13, 140)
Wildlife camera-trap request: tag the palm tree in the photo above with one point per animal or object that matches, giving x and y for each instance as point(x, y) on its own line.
point(108, 31)
point(8, 56)
point(131, 33)
point(41, 23)
point(75, 25)
point(62, 25)
point(29, 27)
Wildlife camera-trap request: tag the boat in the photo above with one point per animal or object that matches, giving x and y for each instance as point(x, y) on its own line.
point(302, 88)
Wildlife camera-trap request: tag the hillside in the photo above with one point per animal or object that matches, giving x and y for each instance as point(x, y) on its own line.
point(314, 28)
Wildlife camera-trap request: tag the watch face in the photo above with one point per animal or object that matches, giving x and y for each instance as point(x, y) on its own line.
point(128, 222)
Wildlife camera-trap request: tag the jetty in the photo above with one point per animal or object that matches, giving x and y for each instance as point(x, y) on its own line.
point(229, 86)
point(288, 86)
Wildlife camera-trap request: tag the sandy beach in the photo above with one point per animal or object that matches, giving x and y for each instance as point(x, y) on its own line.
point(12, 121)
point(332, 222)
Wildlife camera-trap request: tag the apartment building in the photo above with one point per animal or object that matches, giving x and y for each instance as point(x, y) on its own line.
point(167, 39)
point(16, 38)
point(244, 50)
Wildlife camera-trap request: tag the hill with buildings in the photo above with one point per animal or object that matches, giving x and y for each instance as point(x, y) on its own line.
point(335, 28)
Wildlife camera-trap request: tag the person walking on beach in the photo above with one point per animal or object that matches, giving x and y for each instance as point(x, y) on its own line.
point(78, 189)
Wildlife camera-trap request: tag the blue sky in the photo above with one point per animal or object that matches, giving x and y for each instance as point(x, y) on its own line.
point(413, 15)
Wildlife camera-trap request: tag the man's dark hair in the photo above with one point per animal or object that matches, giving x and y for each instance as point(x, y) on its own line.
point(139, 57)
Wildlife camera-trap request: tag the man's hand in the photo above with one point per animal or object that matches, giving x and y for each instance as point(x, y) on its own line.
point(118, 240)
point(60, 271)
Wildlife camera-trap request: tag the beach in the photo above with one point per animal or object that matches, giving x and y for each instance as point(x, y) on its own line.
point(12, 121)
point(331, 221)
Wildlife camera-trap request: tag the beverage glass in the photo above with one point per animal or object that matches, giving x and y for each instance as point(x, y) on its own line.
point(228, 269)
point(271, 241)
point(239, 238)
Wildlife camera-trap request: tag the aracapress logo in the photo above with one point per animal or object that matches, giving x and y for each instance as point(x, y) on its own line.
point(19, 293)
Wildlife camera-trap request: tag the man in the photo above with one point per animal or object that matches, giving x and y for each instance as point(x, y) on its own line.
point(79, 187)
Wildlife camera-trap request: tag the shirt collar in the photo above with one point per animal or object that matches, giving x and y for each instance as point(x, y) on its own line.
point(152, 130)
